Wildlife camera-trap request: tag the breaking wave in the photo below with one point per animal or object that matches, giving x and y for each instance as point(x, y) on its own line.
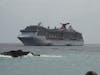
point(8, 56)
point(5, 56)
point(51, 56)
point(30, 55)
point(44, 56)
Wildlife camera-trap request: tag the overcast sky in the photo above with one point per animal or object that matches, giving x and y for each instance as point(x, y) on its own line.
point(84, 16)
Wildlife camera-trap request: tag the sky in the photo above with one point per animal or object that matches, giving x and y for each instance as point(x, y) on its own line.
point(83, 15)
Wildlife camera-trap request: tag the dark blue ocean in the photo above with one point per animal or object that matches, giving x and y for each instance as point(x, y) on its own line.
point(54, 60)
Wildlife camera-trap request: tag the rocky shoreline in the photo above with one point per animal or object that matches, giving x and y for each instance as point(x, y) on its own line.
point(18, 53)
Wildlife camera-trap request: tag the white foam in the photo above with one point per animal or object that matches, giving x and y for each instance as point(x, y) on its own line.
point(5, 56)
point(29, 55)
point(51, 56)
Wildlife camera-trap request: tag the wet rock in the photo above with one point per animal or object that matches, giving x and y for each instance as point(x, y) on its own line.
point(18, 53)
point(91, 73)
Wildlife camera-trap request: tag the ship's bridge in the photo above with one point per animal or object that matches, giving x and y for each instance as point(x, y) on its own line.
point(32, 28)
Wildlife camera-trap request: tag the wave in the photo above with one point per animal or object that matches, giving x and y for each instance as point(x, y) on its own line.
point(48, 56)
point(8, 56)
point(51, 56)
point(5, 56)
point(30, 55)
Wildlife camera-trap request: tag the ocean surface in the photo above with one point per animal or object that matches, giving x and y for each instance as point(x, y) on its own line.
point(54, 60)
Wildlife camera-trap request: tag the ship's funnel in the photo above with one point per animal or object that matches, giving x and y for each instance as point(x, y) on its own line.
point(64, 25)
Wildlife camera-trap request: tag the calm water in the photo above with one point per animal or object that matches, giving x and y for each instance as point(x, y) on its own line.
point(54, 60)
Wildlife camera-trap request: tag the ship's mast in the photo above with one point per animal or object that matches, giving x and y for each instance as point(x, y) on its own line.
point(38, 27)
point(70, 28)
point(39, 23)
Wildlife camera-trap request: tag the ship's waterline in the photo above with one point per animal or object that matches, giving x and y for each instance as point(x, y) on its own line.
point(34, 41)
point(40, 36)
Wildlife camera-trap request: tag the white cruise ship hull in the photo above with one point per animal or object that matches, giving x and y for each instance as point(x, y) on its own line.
point(36, 35)
point(42, 41)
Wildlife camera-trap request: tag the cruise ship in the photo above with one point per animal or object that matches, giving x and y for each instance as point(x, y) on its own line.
point(38, 35)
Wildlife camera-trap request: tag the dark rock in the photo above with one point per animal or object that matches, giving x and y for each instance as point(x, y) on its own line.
point(18, 53)
point(91, 73)
point(68, 45)
point(35, 54)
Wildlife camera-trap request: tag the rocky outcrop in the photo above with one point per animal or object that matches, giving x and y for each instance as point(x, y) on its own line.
point(18, 53)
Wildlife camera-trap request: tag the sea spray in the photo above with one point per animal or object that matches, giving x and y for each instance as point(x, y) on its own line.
point(5, 56)
point(51, 56)
point(30, 55)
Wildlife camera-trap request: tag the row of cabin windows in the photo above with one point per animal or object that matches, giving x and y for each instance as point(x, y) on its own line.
point(55, 37)
point(60, 37)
